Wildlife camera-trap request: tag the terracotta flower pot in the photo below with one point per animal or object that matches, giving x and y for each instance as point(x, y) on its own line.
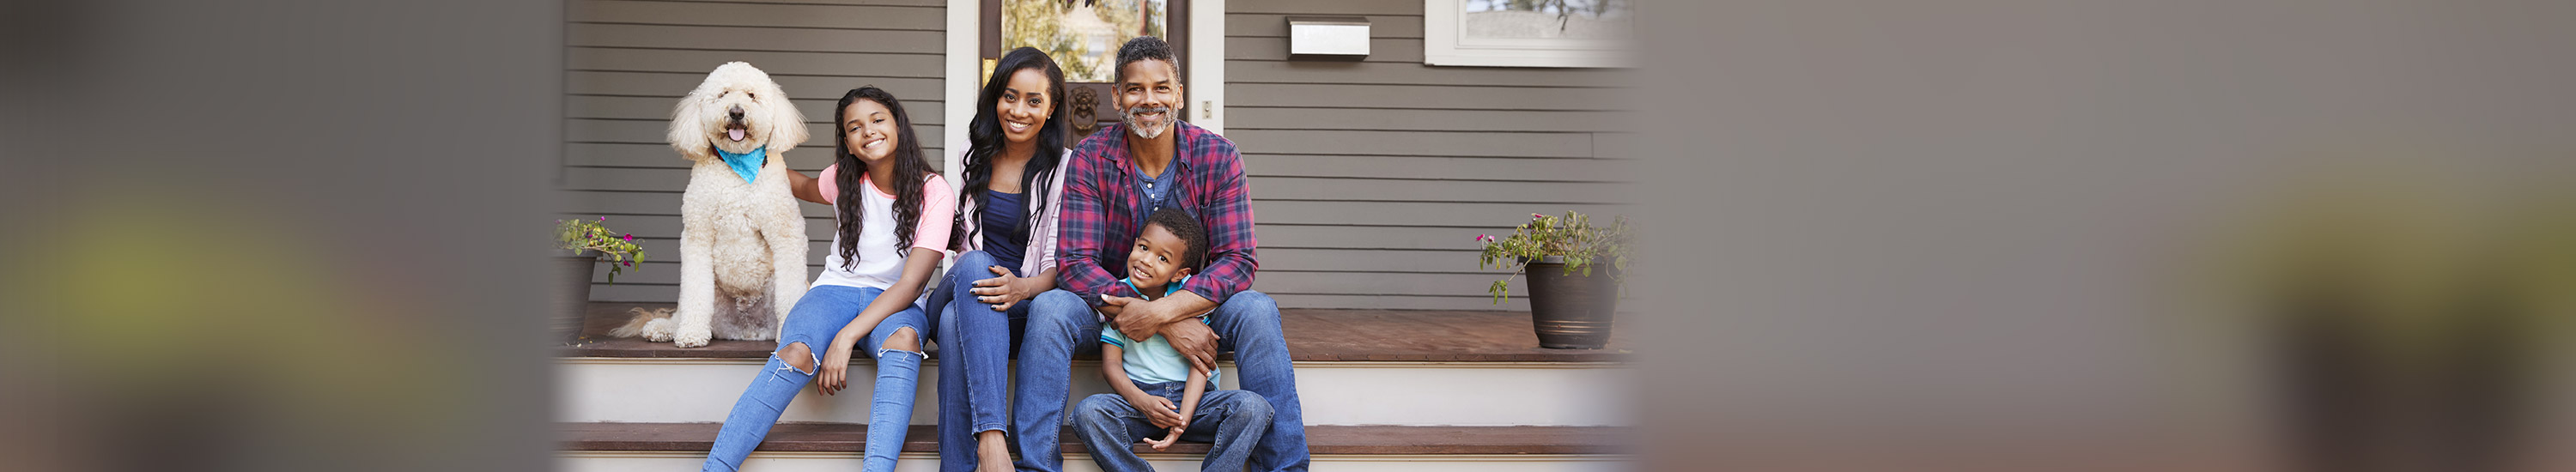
point(572, 291)
point(1572, 311)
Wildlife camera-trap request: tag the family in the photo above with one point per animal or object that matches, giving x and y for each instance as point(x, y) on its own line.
point(1137, 241)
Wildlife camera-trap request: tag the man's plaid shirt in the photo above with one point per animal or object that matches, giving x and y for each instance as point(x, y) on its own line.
point(1104, 210)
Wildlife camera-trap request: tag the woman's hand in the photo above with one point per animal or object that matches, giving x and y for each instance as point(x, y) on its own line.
point(834, 376)
point(1004, 290)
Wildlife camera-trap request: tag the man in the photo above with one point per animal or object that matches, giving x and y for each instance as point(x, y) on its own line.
point(1116, 178)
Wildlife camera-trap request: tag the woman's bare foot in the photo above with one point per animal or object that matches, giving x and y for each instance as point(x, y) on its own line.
point(992, 452)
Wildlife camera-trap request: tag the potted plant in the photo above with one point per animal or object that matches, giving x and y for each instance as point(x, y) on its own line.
point(579, 245)
point(1570, 301)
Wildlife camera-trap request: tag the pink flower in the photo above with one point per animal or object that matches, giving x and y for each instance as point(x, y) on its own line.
point(603, 219)
point(630, 237)
point(1532, 216)
point(630, 263)
point(1485, 237)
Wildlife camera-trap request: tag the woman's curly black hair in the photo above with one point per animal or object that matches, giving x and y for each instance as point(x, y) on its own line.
point(910, 169)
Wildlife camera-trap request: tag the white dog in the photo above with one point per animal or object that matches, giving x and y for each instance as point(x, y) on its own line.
point(742, 241)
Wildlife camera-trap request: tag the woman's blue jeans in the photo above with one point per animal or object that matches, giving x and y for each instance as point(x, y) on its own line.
point(974, 359)
point(814, 321)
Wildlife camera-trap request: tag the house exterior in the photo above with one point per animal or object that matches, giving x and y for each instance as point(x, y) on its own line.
point(1370, 178)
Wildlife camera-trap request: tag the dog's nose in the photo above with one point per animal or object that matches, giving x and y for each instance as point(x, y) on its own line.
point(736, 111)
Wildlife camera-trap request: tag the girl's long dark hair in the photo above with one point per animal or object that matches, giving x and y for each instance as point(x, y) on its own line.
point(984, 140)
point(909, 172)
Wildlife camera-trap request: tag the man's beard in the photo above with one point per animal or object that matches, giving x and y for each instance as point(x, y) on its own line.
point(1137, 124)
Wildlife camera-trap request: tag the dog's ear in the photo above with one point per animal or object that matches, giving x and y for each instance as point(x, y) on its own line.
point(688, 132)
point(786, 125)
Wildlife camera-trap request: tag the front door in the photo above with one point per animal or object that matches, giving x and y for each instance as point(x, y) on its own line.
point(1083, 37)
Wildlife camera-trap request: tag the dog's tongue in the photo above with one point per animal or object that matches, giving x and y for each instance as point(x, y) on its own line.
point(734, 134)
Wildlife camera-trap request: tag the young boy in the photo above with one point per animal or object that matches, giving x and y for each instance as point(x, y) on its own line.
point(1151, 377)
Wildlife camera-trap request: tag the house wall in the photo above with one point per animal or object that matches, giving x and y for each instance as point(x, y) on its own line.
point(1370, 179)
point(629, 61)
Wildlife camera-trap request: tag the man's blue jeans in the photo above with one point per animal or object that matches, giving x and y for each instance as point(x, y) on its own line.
point(1232, 419)
point(974, 359)
point(814, 321)
point(1060, 324)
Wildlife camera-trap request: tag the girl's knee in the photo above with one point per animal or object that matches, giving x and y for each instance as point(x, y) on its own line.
point(797, 356)
point(903, 339)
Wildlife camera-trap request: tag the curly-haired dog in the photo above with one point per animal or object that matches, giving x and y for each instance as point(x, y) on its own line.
point(742, 240)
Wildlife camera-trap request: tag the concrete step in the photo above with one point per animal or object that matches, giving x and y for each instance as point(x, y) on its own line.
point(835, 447)
point(1354, 367)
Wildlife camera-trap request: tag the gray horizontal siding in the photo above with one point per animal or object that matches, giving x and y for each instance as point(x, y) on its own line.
point(1371, 179)
point(628, 62)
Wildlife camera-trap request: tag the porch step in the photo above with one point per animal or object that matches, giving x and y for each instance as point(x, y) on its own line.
point(1354, 367)
point(830, 446)
point(1313, 335)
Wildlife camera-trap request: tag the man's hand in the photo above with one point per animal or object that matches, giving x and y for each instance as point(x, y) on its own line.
point(1120, 310)
point(1195, 341)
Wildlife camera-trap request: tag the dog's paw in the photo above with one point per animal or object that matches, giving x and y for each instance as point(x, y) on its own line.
point(659, 330)
point(692, 337)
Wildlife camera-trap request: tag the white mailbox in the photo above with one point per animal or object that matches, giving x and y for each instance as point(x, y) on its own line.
point(1329, 38)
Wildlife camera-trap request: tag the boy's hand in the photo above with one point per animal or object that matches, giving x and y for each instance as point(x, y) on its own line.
point(1157, 410)
point(1166, 441)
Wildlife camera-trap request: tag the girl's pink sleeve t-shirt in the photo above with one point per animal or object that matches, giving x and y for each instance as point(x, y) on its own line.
point(879, 265)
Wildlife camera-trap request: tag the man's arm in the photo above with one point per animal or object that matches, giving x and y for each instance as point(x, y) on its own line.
point(1227, 214)
point(1082, 228)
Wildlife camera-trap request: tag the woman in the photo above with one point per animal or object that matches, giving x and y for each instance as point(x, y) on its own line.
point(892, 229)
point(1007, 233)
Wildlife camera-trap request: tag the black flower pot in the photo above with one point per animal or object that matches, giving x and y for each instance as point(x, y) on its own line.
point(1572, 311)
point(572, 291)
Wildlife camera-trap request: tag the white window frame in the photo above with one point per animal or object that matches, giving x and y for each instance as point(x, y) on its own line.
point(1206, 84)
point(1444, 44)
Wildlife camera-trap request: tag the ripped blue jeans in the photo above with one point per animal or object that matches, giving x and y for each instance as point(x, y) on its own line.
point(814, 321)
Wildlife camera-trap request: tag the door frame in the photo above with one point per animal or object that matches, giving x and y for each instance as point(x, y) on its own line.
point(1205, 85)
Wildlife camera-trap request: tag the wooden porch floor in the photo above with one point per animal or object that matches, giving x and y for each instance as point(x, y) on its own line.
point(1313, 335)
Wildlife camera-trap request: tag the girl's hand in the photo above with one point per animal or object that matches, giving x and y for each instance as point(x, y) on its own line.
point(834, 373)
point(1004, 289)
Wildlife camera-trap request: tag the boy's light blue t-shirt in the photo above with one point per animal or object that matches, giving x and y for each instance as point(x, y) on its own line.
point(1153, 360)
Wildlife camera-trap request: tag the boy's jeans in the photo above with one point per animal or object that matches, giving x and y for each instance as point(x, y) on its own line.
point(1233, 419)
point(1060, 324)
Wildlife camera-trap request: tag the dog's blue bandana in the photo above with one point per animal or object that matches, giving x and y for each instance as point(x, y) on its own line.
point(746, 164)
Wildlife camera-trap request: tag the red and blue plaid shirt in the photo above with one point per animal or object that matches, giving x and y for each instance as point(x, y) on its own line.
point(1104, 211)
